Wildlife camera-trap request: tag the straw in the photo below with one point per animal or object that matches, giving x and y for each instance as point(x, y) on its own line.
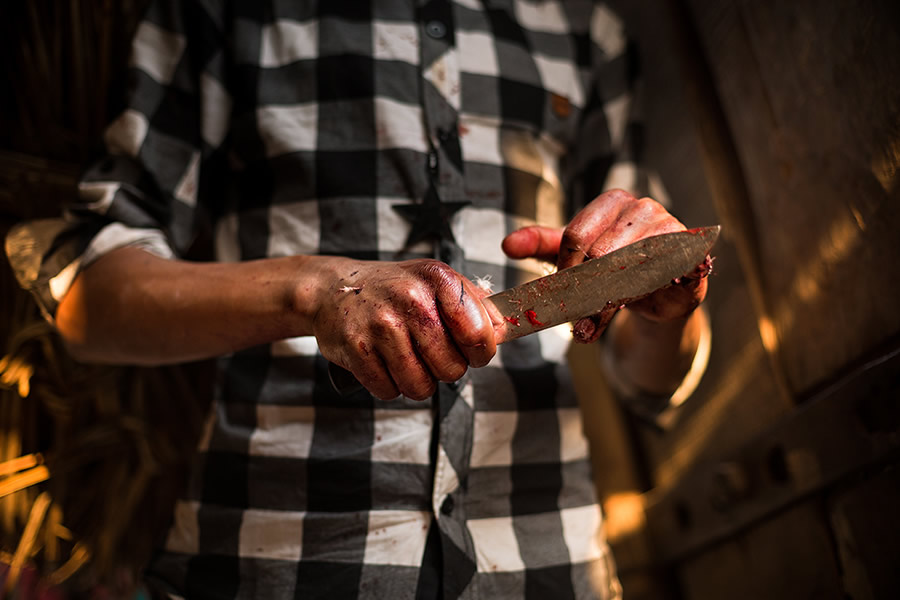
point(91, 458)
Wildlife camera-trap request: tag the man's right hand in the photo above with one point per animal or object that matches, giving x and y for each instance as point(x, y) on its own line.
point(400, 327)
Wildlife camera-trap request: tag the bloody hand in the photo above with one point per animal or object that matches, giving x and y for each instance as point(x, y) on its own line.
point(612, 220)
point(400, 327)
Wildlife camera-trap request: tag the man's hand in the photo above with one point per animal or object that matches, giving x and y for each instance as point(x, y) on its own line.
point(401, 327)
point(612, 220)
point(398, 327)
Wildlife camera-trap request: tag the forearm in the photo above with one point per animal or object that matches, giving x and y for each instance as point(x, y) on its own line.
point(136, 308)
point(654, 356)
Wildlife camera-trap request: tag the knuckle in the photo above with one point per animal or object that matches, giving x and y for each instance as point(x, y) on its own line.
point(598, 249)
point(355, 349)
point(573, 239)
point(438, 274)
point(383, 322)
point(615, 194)
point(652, 208)
point(418, 298)
point(428, 267)
point(622, 193)
point(644, 206)
point(437, 267)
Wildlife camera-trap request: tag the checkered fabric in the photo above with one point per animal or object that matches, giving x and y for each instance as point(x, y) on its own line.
point(280, 128)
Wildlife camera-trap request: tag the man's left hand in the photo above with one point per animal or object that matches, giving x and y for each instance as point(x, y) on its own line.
point(612, 220)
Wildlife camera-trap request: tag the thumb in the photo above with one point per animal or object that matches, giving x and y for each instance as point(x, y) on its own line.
point(535, 241)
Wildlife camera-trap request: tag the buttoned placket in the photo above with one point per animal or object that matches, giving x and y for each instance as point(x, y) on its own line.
point(440, 73)
point(453, 415)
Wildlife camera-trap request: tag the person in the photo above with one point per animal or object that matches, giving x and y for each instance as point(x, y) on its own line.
point(352, 168)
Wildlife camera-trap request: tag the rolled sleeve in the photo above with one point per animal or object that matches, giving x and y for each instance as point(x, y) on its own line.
point(144, 192)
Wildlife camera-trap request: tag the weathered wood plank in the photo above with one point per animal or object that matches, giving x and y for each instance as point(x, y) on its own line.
point(851, 428)
point(787, 558)
point(812, 95)
point(866, 525)
point(739, 395)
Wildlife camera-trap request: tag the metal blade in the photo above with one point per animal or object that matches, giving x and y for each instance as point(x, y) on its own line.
point(616, 278)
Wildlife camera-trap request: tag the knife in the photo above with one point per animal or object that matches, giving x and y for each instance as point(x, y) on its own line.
point(619, 277)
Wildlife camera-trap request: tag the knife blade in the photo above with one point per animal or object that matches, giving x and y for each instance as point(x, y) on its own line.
point(616, 278)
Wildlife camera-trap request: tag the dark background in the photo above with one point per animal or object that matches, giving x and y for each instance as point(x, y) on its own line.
point(777, 479)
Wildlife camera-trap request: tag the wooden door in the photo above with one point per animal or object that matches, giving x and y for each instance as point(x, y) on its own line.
point(781, 120)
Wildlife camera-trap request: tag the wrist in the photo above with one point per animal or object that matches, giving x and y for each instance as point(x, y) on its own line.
point(658, 406)
point(314, 282)
point(654, 327)
point(655, 354)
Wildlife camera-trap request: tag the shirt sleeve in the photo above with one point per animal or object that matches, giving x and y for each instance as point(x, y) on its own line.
point(144, 191)
point(609, 153)
point(608, 150)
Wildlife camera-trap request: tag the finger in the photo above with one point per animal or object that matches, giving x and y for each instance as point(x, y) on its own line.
point(407, 369)
point(643, 218)
point(679, 300)
point(590, 224)
point(433, 343)
point(466, 318)
point(393, 345)
point(533, 242)
point(703, 270)
point(590, 329)
point(440, 354)
point(371, 372)
point(672, 302)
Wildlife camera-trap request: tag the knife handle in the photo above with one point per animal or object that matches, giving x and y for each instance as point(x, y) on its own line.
point(343, 381)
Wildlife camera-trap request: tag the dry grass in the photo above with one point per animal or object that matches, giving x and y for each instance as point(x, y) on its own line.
point(90, 457)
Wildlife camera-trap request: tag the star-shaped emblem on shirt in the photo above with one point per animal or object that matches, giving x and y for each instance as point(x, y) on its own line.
point(431, 218)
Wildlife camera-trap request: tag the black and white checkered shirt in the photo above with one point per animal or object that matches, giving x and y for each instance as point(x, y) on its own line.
point(282, 128)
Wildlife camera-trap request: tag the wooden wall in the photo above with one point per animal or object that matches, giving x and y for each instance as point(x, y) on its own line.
point(781, 120)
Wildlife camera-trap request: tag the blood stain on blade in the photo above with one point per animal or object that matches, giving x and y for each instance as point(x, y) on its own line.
point(532, 318)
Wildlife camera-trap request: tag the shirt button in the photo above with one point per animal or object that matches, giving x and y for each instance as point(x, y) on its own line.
point(436, 29)
point(447, 505)
point(432, 161)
